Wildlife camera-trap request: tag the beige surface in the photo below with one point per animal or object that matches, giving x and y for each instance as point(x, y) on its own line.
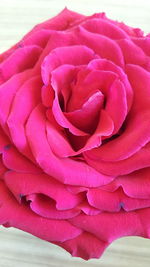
point(21, 249)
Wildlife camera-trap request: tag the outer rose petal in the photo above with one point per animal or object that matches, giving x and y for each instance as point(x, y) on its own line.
point(7, 93)
point(104, 27)
point(132, 32)
point(136, 162)
point(114, 201)
point(135, 185)
point(13, 160)
point(22, 59)
point(101, 45)
point(26, 98)
point(132, 53)
point(22, 185)
point(81, 246)
point(65, 19)
point(46, 207)
point(51, 230)
point(62, 21)
point(122, 224)
point(143, 43)
point(4, 141)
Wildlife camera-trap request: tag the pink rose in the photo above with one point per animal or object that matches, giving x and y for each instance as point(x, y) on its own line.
point(74, 135)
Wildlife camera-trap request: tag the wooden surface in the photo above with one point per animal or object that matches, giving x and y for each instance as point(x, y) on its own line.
point(21, 249)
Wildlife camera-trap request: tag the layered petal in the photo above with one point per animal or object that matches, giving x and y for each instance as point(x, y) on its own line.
point(11, 212)
point(66, 170)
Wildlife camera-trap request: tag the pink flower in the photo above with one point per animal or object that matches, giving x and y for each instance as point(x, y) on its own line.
point(74, 133)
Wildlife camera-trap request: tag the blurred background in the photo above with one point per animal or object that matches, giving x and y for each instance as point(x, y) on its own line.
point(17, 248)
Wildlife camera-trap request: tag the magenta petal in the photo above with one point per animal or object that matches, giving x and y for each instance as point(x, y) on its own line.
point(7, 92)
point(23, 185)
point(115, 201)
point(135, 185)
point(39, 38)
point(132, 53)
point(143, 43)
point(133, 137)
point(2, 168)
point(94, 81)
point(26, 98)
point(57, 137)
point(4, 141)
point(65, 19)
point(116, 105)
point(106, 65)
point(137, 161)
point(86, 117)
point(101, 45)
point(47, 95)
point(81, 246)
point(140, 82)
point(46, 207)
point(47, 229)
point(110, 226)
point(13, 160)
point(132, 32)
point(104, 27)
point(88, 209)
point(73, 55)
point(60, 79)
point(128, 143)
point(23, 58)
point(59, 167)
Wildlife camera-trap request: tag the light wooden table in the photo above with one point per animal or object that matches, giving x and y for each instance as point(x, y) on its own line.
point(21, 249)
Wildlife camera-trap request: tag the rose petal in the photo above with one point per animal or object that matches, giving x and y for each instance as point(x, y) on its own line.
point(22, 59)
point(76, 55)
point(13, 160)
point(101, 45)
point(94, 81)
point(132, 53)
point(81, 246)
point(61, 77)
point(57, 137)
point(135, 185)
point(46, 207)
point(143, 43)
point(26, 98)
point(4, 141)
point(106, 65)
point(86, 117)
point(140, 82)
point(47, 229)
point(29, 184)
point(104, 27)
point(122, 224)
point(61, 21)
point(58, 167)
point(135, 162)
point(114, 201)
point(128, 143)
point(7, 93)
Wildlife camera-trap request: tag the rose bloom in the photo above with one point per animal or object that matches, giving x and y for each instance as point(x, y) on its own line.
point(75, 132)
